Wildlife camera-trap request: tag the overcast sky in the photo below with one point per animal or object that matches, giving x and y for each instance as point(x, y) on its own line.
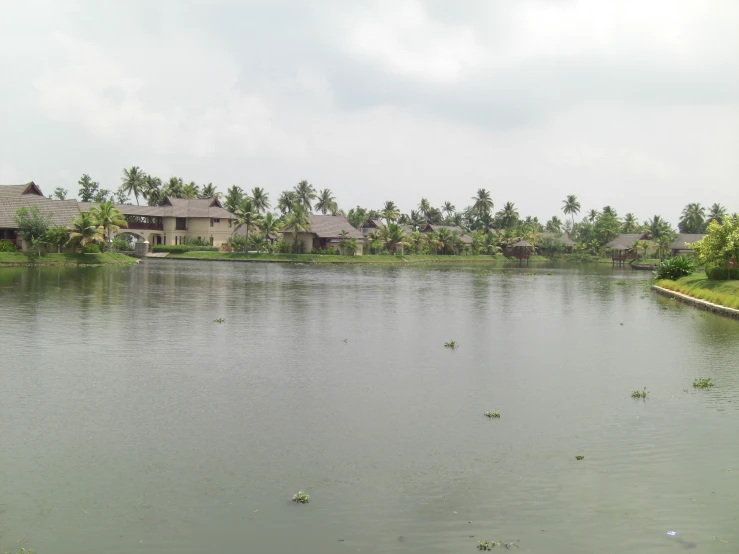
point(634, 104)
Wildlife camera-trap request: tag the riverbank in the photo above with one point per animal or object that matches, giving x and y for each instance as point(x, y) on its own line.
point(15, 259)
point(698, 287)
point(353, 260)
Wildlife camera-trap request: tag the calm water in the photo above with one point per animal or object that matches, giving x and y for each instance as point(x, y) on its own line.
point(131, 423)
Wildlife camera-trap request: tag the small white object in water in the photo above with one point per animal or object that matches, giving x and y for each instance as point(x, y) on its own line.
point(672, 533)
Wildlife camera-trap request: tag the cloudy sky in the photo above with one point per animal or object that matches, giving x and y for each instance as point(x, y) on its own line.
point(631, 103)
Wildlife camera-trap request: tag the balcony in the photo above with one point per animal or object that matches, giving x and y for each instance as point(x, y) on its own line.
point(149, 223)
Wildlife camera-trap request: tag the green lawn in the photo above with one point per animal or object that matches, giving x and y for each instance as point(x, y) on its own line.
point(725, 293)
point(29, 258)
point(325, 259)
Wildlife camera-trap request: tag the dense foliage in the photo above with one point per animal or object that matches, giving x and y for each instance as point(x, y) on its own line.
point(720, 247)
point(675, 268)
point(7, 246)
point(182, 248)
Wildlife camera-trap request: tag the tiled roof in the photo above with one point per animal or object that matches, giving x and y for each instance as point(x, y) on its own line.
point(330, 226)
point(434, 228)
point(15, 191)
point(564, 238)
point(627, 239)
point(63, 211)
point(682, 238)
point(173, 207)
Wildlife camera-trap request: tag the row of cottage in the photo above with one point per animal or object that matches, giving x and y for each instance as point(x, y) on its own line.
point(206, 219)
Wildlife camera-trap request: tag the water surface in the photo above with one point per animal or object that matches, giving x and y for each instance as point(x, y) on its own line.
point(131, 423)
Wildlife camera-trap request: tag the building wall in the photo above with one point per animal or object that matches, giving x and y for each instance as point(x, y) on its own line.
point(306, 239)
point(196, 227)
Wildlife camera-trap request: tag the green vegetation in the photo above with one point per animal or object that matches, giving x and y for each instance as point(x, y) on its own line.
point(720, 246)
point(675, 268)
point(26, 258)
point(492, 415)
point(300, 497)
point(578, 458)
point(183, 248)
point(723, 293)
point(640, 393)
point(32, 224)
point(451, 344)
point(703, 383)
point(219, 320)
point(24, 551)
point(489, 545)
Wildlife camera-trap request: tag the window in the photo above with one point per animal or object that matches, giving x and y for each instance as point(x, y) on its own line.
point(176, 240)
point(180, 224)
point(211, 240)
point(230, 223)
point(165, 240)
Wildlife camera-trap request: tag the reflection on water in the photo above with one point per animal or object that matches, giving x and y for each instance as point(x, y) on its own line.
point(132, 423)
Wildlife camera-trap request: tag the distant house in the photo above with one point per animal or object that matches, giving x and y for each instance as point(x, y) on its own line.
point(627, 239)
point(325, 232)
point(564, 238)
point(175, 220)
point(466, 239)
point(376, 224)
point(679, 245)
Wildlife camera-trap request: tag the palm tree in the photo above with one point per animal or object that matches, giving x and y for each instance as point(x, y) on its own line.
point(658, 227)
point(109, 218)
point(306, 193)
point(630, 224)
point(424, 207)
point(390, 212)
point(298, 222)
point(260, 199)
point(416, 220)
point(448, 208)
point(571, 207)
point(190, 190)
point(246, 216)
point(326, 202)
point(287, 201)
point(85, 230)
point(234, 196)
point(209, 191)
point(592, 216)
point(483, 203)
point(554, 225)
point(269, 225)
point(392, 236)
point(716, 213)
point(508, 215)
point(134, 182)
point(174, 187)
point(608, 211)
point(692, 218)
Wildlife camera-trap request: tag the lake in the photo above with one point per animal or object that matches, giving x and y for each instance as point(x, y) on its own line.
point(132, 423)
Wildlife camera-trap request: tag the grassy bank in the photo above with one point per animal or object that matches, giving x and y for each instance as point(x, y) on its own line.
point(724, 293)
point(28, 258)
point(366, 260)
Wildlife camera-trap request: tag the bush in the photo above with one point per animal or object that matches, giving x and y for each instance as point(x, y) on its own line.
point(91, 248)
point(182, 248)
point(324, 251)
point(121, 244)
point(283, 247)
point(675, 268)
point(190, 241)
point(237, 243)
point(720, 273)
point(7, 246)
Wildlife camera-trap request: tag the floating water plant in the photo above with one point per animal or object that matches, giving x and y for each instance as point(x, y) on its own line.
point(578, 458)
point(703, 383)
point(487, 545)
point(640, 393)
point(300, 497)
point(218, 320)
point(24, 551)
point(492, 415)
point(451, 344)
point(621, 283)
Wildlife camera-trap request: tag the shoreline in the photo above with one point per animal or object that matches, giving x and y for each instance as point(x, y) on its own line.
point(697, 302)
point(23, 259)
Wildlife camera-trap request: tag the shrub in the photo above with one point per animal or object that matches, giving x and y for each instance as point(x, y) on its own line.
point(182, 248)
point(703, 383)
point(640, 393)
point(492, 415)
point(237, 243)
point(283, 248)
point(190, 241)
point(300, 497)
point(719, 273)
point(7, 246)
point(91, 248)
point(675, 268)
point(324, 251)
point(121, 244)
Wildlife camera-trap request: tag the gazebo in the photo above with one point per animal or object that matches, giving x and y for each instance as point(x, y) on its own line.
point(622, 254)
point(522, 251)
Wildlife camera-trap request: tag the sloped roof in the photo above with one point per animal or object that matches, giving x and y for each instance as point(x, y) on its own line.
point(523, 244)
point(173, 207)
point(627, 239)
point(330, 227)
point(564, 238)
point(15, 191)
point(452, 228)
point(63, 211)
point(682, 238)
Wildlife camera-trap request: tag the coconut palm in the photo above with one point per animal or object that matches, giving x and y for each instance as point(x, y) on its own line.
point(191, 190)
point(326, 202)
point(174, 187)
point(109, 218)
point(153, 190)
point(134, 182)
point(483, 202)
point(508, 215)
point(390, 212)
point(416, 220)
point(448, 208)
point(260, 199)
point(298, 222)
point(717, 212)
point(692, 218)
point(592, 216)
point(85, 230)
point(246, 216)
point(392, 236)
point(424, 206)
point(287, 201)
point(554, 225)
point(630, 224)
point(269, 225)
point(658, 227)
point(610, 212)
point(234, 196)
point(306, 193)
point(209, 191)
point(571, 207)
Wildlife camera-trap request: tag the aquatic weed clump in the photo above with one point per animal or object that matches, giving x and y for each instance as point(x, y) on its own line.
point(492, 415)
point(451, 344)
point(640, 393)
point(218, 320)
point(703, 383)
point(300, 497)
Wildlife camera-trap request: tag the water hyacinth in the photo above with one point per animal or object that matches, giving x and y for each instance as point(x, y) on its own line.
point(451, 344)
point(703, 383)
point(492, 414)
point(639, 393)
point(300, 497)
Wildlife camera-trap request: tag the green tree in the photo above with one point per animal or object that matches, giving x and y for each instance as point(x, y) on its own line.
point(101, 195)
point(554, 225)
point(121, 196)
point(305, 193)
point(692, 218)
point(424, 206)
point(32, 224)
point(592, 216)
point(390, 212)
point(658, 227)
point(326, 202)
point(260, 199)
point(571, 207)
point(416, 221)
point(483, 203)
point(448, 208)
point(287, 201)
point(109, 218)
point(630, 224)
point(209, 191)
point(88, 188)
point(357, 217)
point(153, 191)
point(392, 236)
point(134, 182)
point(716, 213)
point(508, 216)
point(606, 228)
point(269, 225)
point(234, 195)
point(174, 187)
point(246, 216)
point(190, 190)
point(60, 193)
point(85, 230)
point(298, 222)
point(720, 246)
point(56, 236)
